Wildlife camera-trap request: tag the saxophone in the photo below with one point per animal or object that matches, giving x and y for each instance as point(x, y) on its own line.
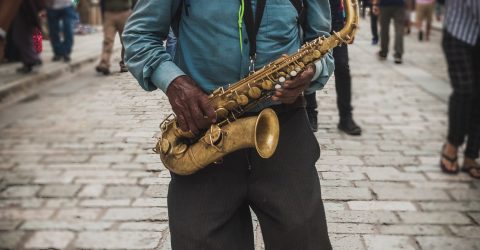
point(184, 153)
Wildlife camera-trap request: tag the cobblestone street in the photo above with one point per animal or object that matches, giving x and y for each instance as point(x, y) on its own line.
point(77, 168)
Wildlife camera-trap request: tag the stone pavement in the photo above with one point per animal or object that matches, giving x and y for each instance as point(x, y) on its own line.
point(77, 169)
point(14, 86)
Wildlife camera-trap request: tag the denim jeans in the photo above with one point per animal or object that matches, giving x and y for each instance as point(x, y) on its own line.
point(65, 16)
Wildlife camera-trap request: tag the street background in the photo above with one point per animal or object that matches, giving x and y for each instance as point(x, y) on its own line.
point(77, 168)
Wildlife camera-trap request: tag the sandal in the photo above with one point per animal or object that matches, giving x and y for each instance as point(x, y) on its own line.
point(473, 170)
point(453, 162)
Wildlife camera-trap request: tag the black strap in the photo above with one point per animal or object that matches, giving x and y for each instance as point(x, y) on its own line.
point(253, 25)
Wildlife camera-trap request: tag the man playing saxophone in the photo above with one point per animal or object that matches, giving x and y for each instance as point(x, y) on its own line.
point(220, 42)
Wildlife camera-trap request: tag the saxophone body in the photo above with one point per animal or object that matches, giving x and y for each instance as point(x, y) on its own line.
point(184, 153)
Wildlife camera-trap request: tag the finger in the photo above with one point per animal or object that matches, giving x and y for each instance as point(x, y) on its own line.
point(190, 122)
point(208, 109)
point(181, 122)
point(197, 115)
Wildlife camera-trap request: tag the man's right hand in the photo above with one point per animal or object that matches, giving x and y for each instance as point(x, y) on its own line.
point(190, 105)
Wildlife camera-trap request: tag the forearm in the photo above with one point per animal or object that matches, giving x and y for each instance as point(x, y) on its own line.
point(143, 37)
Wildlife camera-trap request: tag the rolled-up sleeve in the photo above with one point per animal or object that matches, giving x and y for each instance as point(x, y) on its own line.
point(318, 23)
point(145, 53)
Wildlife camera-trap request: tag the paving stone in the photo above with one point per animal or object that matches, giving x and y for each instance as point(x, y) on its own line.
point(413, 230)
point(105, 203)
point(137, 214)
point(150, 202)
point(333, 205)
point(123, 191)
point(382, 205)
point(351, 228)
point(444, 242)
point(20, 191)
point(466, 231)
point(25, 214)
point(390, 160)
point(382, 242)
point(70, 224)
point(107, 180)
point(156, 191)
point(451, 206)
point(466, 195)
point(10, 240)
point(9, 225)
point(118, 240)
point(91, 191)
point(434, 218)
point(412, 194)
point(21, 203)
point(346, 242)
point(78, 213)
point(475, 217)
point(345, 193)
point(50, 239)
point(343, 176)
point(340, 160)
point(59, 190)
point(144, 226)
point(372, 217)
point(61, 202)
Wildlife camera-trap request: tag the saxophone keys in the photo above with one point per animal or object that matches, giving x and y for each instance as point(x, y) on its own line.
point(298, 69)
point(179, 150)
point(293, 73)
point(316, 54)
point(254, 92)
point(267, 85)
point(242, 100)
point(221, 112)
point(231, 104)
point(165, 146)
point(281, 79)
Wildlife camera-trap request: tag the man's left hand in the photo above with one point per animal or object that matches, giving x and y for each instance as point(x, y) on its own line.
point(293, 88)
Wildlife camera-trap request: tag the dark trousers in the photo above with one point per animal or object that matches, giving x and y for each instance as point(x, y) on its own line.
point(22, 36)
point(374, 26)
point(343, 84)
point(387, 13)
point(464, 105)
point(211, 209)
point(65, 16)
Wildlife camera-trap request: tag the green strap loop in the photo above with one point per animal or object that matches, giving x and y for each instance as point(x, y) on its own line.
point(240, 21)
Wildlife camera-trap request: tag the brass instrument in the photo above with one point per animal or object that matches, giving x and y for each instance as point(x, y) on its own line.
point(183, 153)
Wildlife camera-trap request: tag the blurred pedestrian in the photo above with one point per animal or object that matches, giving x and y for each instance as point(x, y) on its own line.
point(424, 13)
point(115, 16)
point(390, 10)
point(373, 25)
point(60, 16)
point(24, 25)
point(8, 11)
point(343, 80)
point(461, 45)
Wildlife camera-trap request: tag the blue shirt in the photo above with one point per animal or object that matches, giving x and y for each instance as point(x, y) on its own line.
point(208, 48)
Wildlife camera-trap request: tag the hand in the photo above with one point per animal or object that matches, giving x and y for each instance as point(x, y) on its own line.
point(376, 10)
point(190, 105)
point(293, 88)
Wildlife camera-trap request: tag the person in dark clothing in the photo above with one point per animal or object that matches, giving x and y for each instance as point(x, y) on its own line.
point(388, 10)
point(374, 26)
point(23, 27)
point(343, 81)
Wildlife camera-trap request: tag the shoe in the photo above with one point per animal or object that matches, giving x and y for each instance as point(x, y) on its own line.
point(312, 118)
point(349, 126)
point(123, 68)
point(381, 56)
point(398, 60)
point(374, 41)
point(420, 36)
point(452, 160)
point(28, 68)
point(103, 70)
point(67, 59)
point(56, 58)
